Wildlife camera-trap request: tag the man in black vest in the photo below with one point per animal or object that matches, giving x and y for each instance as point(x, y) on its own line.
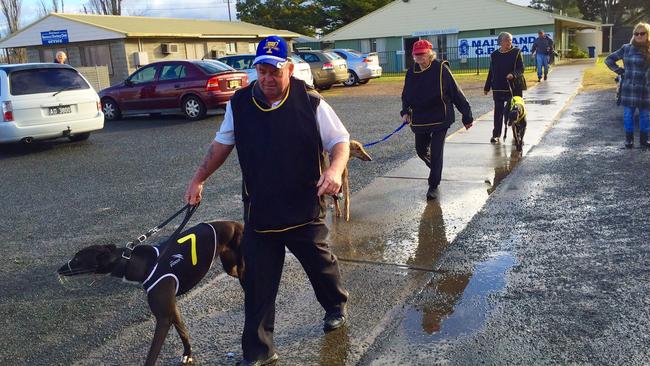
point(280, 129)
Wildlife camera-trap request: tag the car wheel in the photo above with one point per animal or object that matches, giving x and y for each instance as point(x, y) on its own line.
point(111, 110)
point(193, 108)
point(323, 87)
point(79, 137)
point(364, 81)
point(352, 79)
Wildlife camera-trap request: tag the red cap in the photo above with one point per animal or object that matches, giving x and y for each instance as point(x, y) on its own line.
point(422, 46)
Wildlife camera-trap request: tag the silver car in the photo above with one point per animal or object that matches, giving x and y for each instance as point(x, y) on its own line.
point(361, 66)
point(301, 69)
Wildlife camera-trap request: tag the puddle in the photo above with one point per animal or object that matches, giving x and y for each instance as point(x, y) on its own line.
point(539, 101)
point(457, 305)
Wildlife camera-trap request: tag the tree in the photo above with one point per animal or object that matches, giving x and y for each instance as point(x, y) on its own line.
point(11, 11)
point(55, 6)
point(336, 13)
point(615, 11)
point(564, 7)
point(104, 7)
point(294, 15)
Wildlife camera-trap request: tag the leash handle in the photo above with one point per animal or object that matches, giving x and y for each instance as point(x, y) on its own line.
point(387, 136)
point(189, 211)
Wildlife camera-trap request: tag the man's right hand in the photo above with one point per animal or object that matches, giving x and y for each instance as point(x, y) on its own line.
point(406, 118)
point(193, 193)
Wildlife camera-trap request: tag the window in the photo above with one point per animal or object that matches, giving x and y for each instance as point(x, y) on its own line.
point(493, 32)
point(97, 56)
point(172, 72)
point(373, 45)
point(143, 75)
point(231, 47)
point(310, 57)
point(45, 81)
point(252, 48)
point(211, 67)
point(331, 56)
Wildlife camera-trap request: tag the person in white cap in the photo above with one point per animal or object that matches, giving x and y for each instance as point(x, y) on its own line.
point(280, 129)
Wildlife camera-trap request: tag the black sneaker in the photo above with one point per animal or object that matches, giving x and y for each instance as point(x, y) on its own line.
point(494, 140)
point(334, 320)
point(431, 193)
point(544, 77)
point(269, 361)
point(539, 79)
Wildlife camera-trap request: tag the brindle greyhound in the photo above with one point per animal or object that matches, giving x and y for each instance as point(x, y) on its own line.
point(167, 273)
point(356, 151)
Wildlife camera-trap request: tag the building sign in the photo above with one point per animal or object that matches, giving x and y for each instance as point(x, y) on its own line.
point(54, 37)
point(472, 47)
point(436, 32)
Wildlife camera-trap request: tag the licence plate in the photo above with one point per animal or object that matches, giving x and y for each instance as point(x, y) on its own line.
point(64, 109)
point(233, 84)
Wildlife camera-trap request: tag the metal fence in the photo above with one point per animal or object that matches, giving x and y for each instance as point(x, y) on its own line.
point(468, 60)
point(97, 76)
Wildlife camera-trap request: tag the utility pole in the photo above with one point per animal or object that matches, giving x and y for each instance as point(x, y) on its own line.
point(229, 18)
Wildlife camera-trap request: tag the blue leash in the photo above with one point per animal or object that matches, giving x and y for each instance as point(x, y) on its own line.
point(387, 136)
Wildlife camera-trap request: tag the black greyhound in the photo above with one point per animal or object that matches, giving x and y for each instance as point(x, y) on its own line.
point(517, 119)
point(167, 272)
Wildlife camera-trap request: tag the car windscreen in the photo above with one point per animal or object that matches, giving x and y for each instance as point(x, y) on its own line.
point(33, 81)
point(213, 66)
point(354, 53)
point(332, 56)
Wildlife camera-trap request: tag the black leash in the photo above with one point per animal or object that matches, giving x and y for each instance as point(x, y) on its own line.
point(120, 268)
point(189, 211)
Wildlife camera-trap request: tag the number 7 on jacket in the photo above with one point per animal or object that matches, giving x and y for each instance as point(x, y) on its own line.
point(192, 239)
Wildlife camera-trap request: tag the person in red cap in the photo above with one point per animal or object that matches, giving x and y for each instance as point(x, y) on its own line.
point(427, 98)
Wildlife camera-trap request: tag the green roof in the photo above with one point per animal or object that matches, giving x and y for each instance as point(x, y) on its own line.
point(175, 27)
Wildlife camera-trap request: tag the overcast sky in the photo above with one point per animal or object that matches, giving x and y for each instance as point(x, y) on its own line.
point(197, 9)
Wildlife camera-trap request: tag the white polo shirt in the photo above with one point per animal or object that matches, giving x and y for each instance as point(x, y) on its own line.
point(331, 129)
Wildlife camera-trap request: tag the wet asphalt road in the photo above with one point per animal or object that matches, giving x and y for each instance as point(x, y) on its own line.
point(556, 262)
point(59, 197)
point(558, 257)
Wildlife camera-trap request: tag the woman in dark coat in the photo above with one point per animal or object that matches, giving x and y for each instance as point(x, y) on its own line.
point(506, 63)
point(427, 98)
point(635, 88)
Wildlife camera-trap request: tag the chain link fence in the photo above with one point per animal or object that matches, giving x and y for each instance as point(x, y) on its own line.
point(462, 60)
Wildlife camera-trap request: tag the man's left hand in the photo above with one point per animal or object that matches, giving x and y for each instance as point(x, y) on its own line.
point(329, 182)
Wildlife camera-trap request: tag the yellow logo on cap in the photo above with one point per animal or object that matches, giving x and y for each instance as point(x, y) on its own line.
point(270, 46)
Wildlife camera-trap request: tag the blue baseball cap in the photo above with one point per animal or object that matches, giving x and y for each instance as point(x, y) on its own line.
point(272, 50)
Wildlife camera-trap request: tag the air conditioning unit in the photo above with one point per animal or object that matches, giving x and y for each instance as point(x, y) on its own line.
point(168, 48)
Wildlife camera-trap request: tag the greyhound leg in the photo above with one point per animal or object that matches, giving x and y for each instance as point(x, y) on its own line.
point(185, 337)
point(346, 193)
point(162, 302)
point(337, 207)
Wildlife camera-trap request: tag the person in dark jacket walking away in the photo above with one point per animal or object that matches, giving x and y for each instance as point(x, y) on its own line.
point(543, 50)
point(280, 129)
point(506, 63)
point(428, 99)
point(635, 88)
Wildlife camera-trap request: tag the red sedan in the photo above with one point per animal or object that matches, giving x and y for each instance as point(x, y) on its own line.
point(190, 86)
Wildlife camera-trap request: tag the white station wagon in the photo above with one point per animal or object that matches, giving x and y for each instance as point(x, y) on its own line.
point(46, 101)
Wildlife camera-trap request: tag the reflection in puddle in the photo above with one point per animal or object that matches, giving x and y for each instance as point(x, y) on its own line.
point(455, 305)
point(500, 172)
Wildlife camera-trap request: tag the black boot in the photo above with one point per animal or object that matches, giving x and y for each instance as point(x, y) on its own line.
point(643, 139)
point(629, 140)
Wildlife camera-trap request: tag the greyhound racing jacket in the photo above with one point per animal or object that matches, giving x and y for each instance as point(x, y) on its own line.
point(186, 259)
